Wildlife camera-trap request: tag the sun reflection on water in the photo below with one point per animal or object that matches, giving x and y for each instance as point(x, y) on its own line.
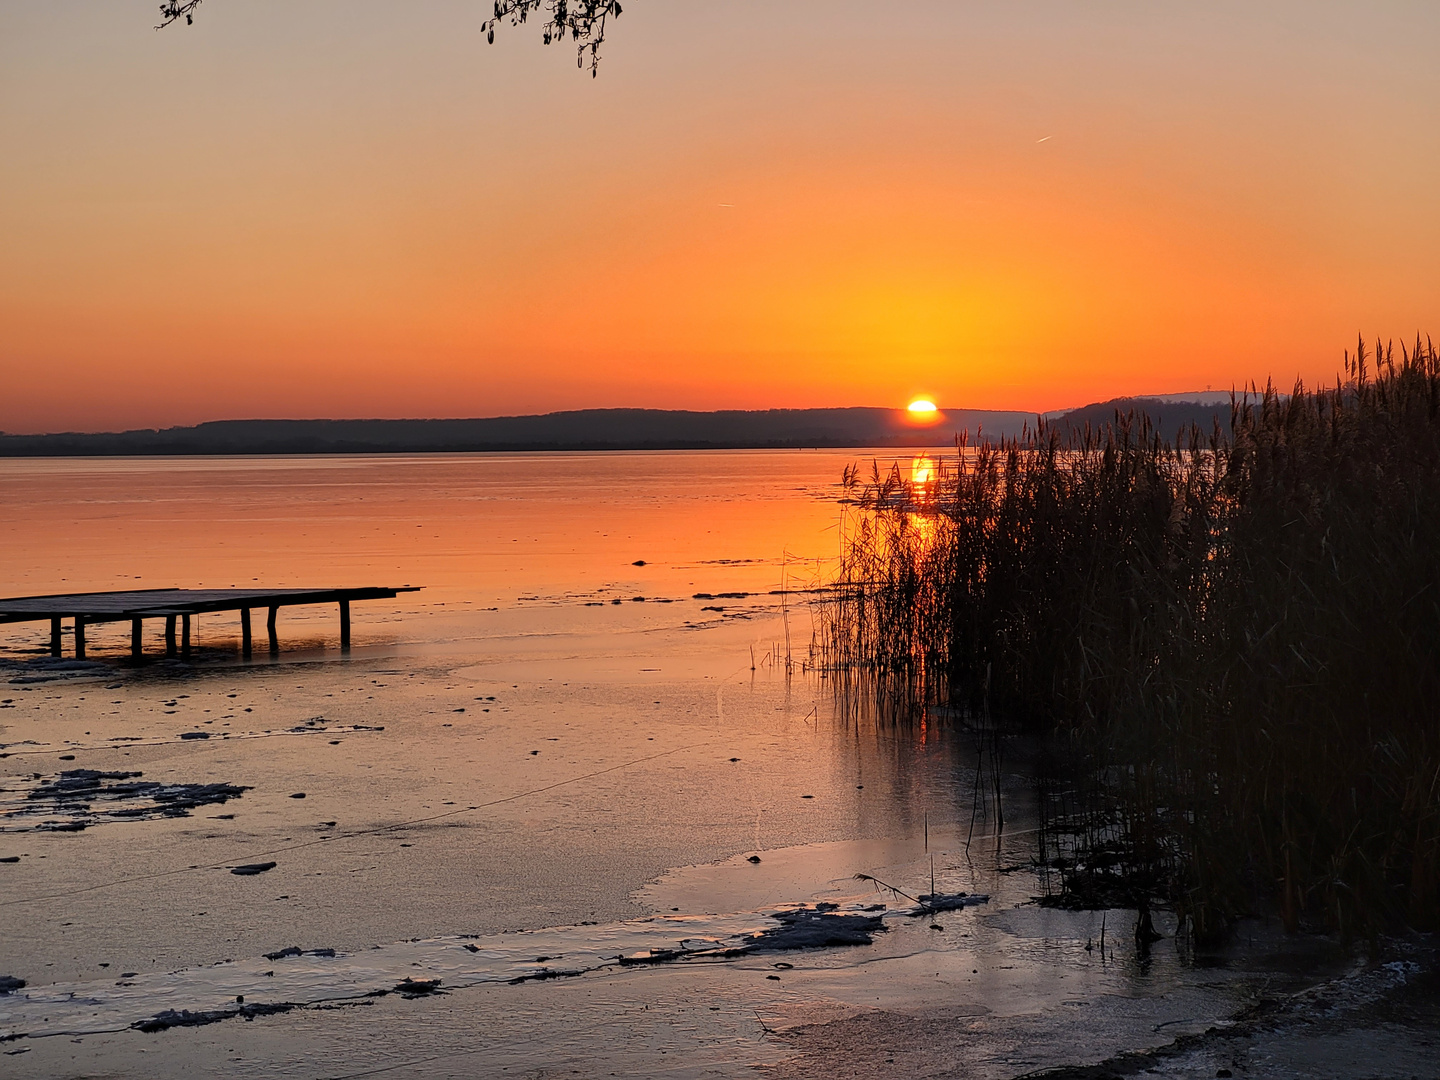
point(922, 471)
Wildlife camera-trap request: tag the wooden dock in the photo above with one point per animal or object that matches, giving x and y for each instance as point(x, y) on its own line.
point(179, 605)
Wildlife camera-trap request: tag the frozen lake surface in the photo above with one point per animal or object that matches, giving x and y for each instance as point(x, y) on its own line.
point(580, 742)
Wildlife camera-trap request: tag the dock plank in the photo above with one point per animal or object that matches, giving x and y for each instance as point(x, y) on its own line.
point(170, 604)
point(148, 603)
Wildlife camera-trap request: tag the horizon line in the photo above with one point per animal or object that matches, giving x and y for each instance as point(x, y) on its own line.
point(1173, 397)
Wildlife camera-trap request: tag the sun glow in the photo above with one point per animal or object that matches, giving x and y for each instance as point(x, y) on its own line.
point(922, 407)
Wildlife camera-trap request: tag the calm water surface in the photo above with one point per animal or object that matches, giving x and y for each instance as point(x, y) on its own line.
point(521, 767)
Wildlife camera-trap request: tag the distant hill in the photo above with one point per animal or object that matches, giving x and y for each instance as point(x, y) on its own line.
point(586, 429)
point(1170, 415)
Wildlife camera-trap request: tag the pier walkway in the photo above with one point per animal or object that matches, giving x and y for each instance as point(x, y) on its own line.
point(179, 605)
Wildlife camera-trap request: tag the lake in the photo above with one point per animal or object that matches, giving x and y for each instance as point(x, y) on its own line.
point(580, 741)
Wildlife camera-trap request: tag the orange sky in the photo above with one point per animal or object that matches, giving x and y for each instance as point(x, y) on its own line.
point(339, 208)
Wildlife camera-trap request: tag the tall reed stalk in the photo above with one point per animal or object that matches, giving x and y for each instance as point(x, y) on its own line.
point(1236, 638)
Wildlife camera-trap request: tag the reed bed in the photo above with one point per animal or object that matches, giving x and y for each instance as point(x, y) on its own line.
point(1232, 642)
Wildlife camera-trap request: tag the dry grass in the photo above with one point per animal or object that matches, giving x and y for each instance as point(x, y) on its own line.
point(1237, 641)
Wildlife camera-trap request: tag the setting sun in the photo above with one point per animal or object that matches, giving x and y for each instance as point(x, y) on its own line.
point(921, 406)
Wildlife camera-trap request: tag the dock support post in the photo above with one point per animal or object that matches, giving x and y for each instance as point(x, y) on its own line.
point(135, 630)
point(55, 636)
point(270, 628)
point(79, 637)
point(185, 636)
point(169, 635)
point(344, 625)
point(245, 632)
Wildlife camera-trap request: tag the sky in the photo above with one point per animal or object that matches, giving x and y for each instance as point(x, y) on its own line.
point(356, 208)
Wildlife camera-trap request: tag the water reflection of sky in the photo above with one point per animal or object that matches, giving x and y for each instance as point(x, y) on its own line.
point(507, 749)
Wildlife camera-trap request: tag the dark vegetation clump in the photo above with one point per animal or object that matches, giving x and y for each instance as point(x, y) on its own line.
point(1233, 640)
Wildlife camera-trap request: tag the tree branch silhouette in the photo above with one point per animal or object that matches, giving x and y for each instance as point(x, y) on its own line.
point(175, 10)
point(582, 21)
